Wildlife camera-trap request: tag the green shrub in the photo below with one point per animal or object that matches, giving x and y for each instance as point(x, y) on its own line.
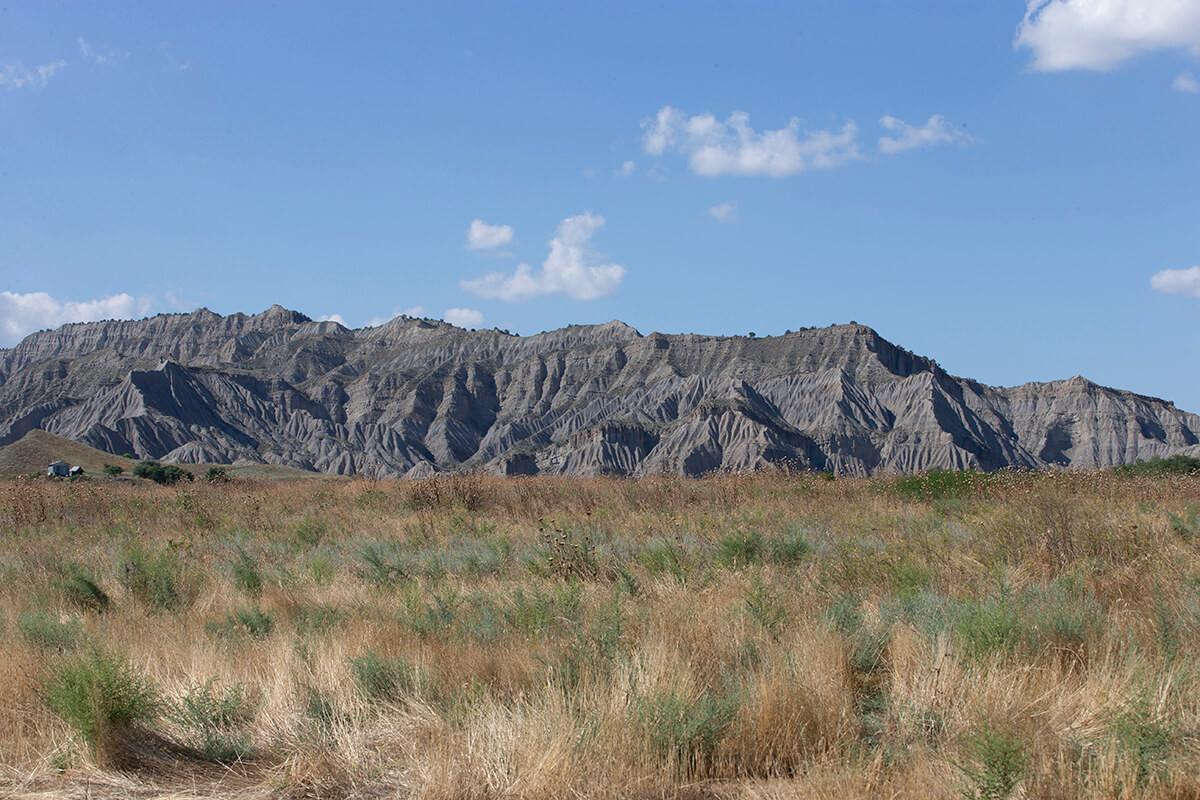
point(789, 549)
point(152, 578)
point(999, 764)
point(1158, 466)
point(79, 588)
point(764, 607)
point(113, 469)
point(252, 622)
point(46, 632)
point(739, 549)
point(685, 729)
point(316, 620)
point(215, 720)
point(166, 474)
point(97, 691)
point(384, 679)
point(941, 484)
point(217, 475)
point(245, 574)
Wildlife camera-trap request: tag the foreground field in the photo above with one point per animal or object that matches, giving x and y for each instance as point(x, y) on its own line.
point(765, 636)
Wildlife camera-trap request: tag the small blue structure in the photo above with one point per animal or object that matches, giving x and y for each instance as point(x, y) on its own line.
point(58, 469)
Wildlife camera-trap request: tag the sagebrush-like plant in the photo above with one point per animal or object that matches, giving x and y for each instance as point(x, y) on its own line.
point(97, 691)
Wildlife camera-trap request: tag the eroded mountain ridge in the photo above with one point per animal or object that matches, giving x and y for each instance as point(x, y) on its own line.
point(415, 396)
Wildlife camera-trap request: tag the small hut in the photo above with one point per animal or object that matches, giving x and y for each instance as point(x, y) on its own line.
point(58, 469)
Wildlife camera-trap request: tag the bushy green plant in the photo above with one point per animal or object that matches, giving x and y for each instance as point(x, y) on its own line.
point(789, 549)
point(940, 484)
point(152, 578)
point(764, 606)
point(97, 691)
point(113, 469)
point(166, 474)
point(998, 765)
point(79, 587)
point(252, 622)
point(245, 574)
point(381, 678)
point(685, 728)
point(1158, 466)
point(217, 475)
point(739, 549)
point(215, 719)
point(47, 632)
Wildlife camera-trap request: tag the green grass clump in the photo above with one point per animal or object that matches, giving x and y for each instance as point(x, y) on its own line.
point(684, 728)
point(98, 691)
point(252, 622)
point(215, 719)
point(153, 577)
point(79, 587)
point(940, 484)
point(1158, 466)
point(166, 474)
point(46, 632)
point(384, 679)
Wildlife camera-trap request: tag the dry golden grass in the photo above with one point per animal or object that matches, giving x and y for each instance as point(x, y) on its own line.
point(765, 636)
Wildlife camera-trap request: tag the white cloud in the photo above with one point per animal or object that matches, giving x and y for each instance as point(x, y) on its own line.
point(22, 314)
point(1177, 281)
point(732, 147)
point(109, 58)
point(1184, 82)
point(569, 269)
point(1101, 34)
point(338, 318)
point(463, 317)
point(18, 76)
point(906, 137)
point(725, 212)
point(626, 170)
point(481, 236)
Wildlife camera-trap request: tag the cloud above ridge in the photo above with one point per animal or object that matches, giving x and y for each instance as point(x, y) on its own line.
point(22, 314)
point(1103, 34)
point(905, 137)
point(482, 236)
point(18, 76)
point(569, 269)
point(1177, 281)
point(732, 147)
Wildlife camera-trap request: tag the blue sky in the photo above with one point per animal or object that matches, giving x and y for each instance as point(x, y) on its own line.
point(1009, 189)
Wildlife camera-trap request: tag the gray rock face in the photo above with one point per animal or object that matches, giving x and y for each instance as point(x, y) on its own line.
point(415, 396)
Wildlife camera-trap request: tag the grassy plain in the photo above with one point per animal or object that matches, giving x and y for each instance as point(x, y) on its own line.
point(764, 636)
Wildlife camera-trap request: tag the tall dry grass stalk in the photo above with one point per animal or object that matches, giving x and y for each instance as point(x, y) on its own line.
point(764, 636)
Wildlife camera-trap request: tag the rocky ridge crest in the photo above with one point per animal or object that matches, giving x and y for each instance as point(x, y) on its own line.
point(414, 396)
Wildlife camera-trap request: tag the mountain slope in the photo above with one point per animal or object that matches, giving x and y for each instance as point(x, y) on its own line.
point(413, 396)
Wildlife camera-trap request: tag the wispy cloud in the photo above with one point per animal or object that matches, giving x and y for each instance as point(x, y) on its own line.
point(22, 314)
point(725, 212)
point(1177, 281)
point(18, 76)
point(905, 137)
point(626, 170)
point(1103, 34)
point(463, 317)
point(570, 269)
point(110, 57)
point(1184, 82)
point(481, 236)
point(732, 147)
point(338, 318)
